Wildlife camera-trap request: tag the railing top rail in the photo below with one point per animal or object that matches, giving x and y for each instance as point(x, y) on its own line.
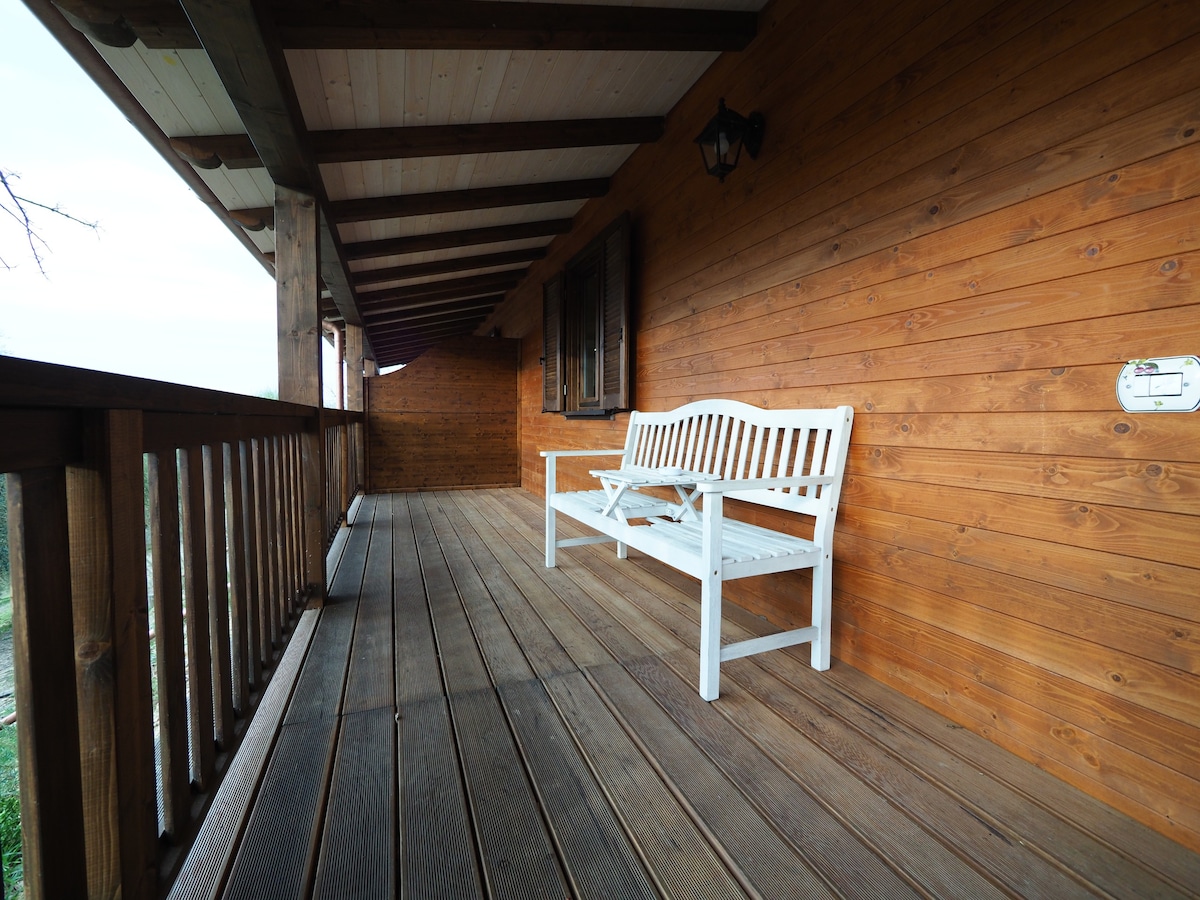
point(25, 383)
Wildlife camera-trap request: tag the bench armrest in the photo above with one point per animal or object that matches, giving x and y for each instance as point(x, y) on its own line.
point(552, 454)
point(756, 484)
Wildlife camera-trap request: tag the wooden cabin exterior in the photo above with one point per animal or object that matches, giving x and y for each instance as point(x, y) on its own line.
point(965, 218)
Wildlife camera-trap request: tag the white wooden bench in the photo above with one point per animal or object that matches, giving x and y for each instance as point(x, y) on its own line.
point(789, 459)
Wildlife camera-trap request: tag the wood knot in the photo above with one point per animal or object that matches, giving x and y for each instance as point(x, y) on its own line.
point(1122, 428)
point(934, 210)
point(1154, 470)
point(91, 651)
point(1058, 370)
point(1169, 266)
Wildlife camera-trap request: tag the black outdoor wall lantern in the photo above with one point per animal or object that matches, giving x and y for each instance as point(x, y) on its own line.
point(723, 137)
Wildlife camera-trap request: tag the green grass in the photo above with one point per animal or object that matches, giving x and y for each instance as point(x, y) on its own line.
point(10, 786)
point(10, 810)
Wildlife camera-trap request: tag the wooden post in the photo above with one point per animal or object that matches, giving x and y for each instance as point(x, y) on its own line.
point(355, 374)
point(44, 668)
point(106, 511)
point(354, 367)
point(297, 268)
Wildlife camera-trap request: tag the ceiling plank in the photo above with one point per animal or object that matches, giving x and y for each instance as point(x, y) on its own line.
point(449, 25)
point(409, 142)
point(422, 243)
point(428, 204)
point(449, 266)
point(255, 76)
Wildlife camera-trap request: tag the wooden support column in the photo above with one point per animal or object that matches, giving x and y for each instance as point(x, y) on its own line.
point(356, 432)
point(44, 668)
point(354, 367)
point(106, 512)
point(297, 267)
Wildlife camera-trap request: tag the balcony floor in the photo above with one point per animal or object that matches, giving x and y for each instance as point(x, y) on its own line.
point(460, 721)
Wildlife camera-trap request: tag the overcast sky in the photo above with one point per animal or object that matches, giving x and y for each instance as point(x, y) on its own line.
point(161, 289)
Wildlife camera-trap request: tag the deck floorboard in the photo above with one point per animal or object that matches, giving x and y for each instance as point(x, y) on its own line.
point(464, 722)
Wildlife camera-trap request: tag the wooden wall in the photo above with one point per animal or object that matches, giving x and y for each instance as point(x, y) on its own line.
point(446, 420)
point(965, 218)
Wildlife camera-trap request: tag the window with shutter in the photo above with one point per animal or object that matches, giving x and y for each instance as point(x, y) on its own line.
point(552, 361)
point(585, 341)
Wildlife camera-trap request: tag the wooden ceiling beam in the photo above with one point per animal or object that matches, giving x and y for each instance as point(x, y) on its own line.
point(407, 142)
point(119, 23)
point(449, 266)
point(445, 312)
point(400, 310)
point(398, 336)
point(372, 209)
point(433, 25)
point(433, 203)
point(236, 151)
point(450, 25)
point(250, 64)
point(423, 243)
point(446, 287)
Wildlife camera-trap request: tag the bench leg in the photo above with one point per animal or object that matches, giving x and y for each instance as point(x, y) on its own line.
point(551, 535)
point(710, 598)
point(710, 637)
point(822, 612)
point(622, 550)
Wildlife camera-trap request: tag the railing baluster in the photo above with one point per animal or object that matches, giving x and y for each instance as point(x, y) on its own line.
point(254, 589)
point(270, 547)
point(218, 594)
point(285, 521)
point(106, 509)
point(169, 642)
point(52, 827)
point(199, 653)
point(239, 625)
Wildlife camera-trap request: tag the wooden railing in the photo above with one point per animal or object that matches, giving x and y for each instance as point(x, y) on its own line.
point(158, 548)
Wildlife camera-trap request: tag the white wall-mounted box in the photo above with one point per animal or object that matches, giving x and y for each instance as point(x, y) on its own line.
point(1161, 384)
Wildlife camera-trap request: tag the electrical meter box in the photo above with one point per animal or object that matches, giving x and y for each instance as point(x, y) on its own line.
point(1163, 384)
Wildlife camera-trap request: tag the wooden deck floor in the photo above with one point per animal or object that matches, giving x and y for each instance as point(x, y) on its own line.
point(460, 721)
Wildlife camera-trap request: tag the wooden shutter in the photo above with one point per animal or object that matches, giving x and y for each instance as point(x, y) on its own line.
point(552, 345)
point(616, 341)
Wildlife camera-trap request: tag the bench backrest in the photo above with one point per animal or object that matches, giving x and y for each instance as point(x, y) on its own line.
point(733, 440)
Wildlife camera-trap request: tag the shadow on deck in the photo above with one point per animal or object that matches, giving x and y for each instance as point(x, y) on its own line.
point(460, 721)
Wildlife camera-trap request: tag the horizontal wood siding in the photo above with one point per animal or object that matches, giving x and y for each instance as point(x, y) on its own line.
point(448, 419)
point(965, 218)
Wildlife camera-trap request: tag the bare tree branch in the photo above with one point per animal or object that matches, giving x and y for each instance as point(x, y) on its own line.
point(18, 208)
